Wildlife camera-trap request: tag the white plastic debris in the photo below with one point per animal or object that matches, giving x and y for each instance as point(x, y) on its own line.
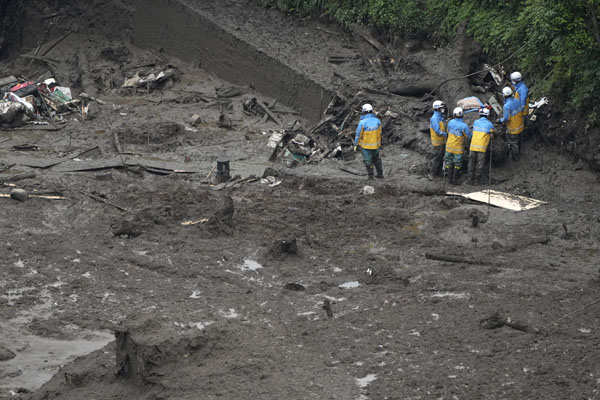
point(274, 139)
point(366, 380)
point(349, 285)
point(368, 190)
point(64, 90)
point(271, 181)
point(195, 294)
point(500, 199)
point(229, 314)
point(452, 295)
point(250, 265)
point(201, 325)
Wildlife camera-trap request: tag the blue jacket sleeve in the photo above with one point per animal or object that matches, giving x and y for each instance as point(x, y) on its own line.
point(359, 129)
point(468, 131)
point(505, 115)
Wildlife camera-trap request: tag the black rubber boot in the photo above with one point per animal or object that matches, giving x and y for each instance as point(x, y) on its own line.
point(456, 176)
point(369, 171)
point(379, 168)
point(453, 175)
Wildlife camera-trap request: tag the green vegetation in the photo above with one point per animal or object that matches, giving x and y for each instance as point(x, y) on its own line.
point(558, 42)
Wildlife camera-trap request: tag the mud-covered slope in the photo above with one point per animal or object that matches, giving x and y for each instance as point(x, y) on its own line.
point(299, 287)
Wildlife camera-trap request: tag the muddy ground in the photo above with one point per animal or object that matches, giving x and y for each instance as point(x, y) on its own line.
point(228, 308)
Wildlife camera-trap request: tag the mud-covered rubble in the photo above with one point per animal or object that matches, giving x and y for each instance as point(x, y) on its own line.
point(276, 282)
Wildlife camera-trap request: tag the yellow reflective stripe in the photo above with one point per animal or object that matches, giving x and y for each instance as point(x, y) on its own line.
point(455, 144)
point(370, 139)
point(436, 140)
point(480, 141)
point(515, 124)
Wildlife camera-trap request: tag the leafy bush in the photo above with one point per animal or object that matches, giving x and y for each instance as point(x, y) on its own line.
point(557, 42)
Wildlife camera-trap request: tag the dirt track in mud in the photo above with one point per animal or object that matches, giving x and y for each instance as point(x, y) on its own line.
point(232, 316)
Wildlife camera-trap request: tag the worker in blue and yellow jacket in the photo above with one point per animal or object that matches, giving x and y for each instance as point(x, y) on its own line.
point(368, 137)
point(437, 131)
point(483, 129)
point(521, 92)
point(458, 131)
point(513, 118)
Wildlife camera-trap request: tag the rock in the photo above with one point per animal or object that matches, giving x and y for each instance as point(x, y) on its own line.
point(195, 120)
point(294, 287)
point(19, 194)
point(270, 172)
point(283, 248)
point(6, 354)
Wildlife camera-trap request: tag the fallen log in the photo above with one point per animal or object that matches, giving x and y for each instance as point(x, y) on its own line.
point(101, 200)
point(36, 128)
point(195, 222)
point(49, 61)
point(351, 171)
point(269, 113)
point(18, 177)
point(56, 42)
point(37, 196)
point(117, 143)
point(455, 259)
point(368, 37)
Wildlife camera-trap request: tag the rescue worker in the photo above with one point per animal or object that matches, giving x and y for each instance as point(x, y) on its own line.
point(483, 129)
point(513, 118)
point(368, 137)
point(455, 145)
point(521, 91)
point(437, 131)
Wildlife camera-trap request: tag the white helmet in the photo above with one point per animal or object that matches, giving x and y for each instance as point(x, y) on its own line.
point(458, 112)
point(507, 91)
point(367, 108)
point(438, 104)
point(515, 77)
point(49, 81)
point(484, 111)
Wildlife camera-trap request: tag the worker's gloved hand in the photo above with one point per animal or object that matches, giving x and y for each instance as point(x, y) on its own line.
point(355, 148)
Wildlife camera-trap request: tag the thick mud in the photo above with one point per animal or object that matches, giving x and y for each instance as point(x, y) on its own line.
point(304, 289)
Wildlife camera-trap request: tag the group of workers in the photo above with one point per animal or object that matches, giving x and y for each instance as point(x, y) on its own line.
point(449, 140)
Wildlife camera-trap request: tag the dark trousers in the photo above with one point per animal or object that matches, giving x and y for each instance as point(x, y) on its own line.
point(516, 141)
point(436, 160)
point(477, 162)
point(372, 158)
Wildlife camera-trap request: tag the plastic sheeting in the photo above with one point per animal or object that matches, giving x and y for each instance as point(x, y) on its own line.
point(500, 199)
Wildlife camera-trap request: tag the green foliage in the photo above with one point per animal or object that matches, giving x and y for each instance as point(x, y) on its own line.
point(557, 42)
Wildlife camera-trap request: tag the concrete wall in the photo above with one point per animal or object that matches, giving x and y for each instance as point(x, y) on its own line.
point(186, 34)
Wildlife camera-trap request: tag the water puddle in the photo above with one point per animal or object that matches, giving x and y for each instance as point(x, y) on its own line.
point(39, 358)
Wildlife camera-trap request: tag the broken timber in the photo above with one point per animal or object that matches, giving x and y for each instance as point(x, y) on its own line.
point(101, 200)
point(455, 259)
